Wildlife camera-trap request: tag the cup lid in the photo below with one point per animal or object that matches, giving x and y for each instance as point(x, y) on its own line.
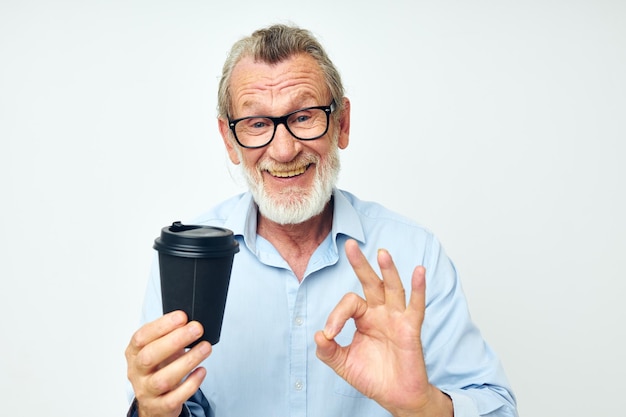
point(196, 241)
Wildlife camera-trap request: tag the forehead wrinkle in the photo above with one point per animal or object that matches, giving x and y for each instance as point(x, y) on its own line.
point(283, 100)
point(258, 86)
point(297, 99)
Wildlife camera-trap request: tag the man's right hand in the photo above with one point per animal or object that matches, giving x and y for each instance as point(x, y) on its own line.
point(157, 363)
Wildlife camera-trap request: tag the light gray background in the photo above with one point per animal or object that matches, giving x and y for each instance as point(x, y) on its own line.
point(500, 125)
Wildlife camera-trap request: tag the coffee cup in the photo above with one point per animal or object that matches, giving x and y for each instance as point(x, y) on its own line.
point(195, 263)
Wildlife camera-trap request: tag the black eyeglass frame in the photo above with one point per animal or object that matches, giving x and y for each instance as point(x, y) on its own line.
point(283, 120)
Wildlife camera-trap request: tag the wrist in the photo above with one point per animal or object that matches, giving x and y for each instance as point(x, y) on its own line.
point(438, 404)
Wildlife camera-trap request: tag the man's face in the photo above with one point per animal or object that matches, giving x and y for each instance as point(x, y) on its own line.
point(291, 180)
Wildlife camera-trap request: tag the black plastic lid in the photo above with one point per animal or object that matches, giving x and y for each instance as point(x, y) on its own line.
point(195, 241)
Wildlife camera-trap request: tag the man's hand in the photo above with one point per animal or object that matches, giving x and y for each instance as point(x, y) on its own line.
point(385, 361)
point(157, 363)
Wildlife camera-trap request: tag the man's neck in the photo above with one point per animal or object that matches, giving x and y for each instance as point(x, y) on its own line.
point(297, 242)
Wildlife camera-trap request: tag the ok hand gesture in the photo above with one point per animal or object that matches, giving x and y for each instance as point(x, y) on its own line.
point(385, 361)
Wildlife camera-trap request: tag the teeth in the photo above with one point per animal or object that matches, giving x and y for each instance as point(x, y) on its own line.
point(287, 174)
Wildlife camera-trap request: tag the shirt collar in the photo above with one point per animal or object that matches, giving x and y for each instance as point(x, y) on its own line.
point(243, 219)
point(346, 220)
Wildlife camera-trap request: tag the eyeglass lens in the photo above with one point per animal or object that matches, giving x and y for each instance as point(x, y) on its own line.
point(306, 124)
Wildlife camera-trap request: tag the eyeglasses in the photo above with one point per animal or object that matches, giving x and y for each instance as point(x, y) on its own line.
point(309, 123)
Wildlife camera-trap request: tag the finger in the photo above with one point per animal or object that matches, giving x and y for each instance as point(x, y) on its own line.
point(395, 297)
point(169, 377)
point(192, 383)
point(329, 352)
point(417, 301)
point(172, 401)
point(190, 386)
point(163, 348)
point(350, 306)
point(156, 329)
point(373, 287)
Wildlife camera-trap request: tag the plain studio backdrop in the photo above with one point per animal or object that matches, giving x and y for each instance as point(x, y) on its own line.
point(499, 125)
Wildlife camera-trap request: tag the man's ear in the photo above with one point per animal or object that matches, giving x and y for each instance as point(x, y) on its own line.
point(228, 142)
point(344, 125)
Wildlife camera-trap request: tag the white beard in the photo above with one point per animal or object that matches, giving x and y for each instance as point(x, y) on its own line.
point(294, 205)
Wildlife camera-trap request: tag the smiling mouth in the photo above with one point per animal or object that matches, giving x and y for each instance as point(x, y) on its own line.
point(290, 173)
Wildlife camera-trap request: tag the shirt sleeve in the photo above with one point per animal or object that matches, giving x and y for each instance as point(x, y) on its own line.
point(459, 361)
point(196, 406)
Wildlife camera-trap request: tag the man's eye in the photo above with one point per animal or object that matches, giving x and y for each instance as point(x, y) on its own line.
point(301, 117)
point(257, 123)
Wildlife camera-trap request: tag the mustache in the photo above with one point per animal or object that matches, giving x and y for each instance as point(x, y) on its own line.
point(301, 161)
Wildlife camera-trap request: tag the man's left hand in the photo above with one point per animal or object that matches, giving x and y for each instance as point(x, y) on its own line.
point(385, 361)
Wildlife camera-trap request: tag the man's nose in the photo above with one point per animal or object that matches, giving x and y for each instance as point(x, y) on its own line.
point(285, 146)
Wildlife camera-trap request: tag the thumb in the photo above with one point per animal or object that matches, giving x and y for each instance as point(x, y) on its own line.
point(329, 352)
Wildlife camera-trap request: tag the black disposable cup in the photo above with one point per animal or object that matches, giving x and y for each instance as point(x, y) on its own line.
point(195, 263)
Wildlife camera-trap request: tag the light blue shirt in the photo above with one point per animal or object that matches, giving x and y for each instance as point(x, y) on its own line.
point(265, 363)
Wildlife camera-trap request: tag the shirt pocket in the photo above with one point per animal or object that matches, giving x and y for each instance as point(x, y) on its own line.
point(343, 388)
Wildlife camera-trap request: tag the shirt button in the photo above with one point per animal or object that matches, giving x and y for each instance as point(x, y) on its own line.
point(298, 385)
point(299, 321)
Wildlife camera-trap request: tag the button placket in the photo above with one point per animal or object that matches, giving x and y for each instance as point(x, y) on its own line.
point(298, 354)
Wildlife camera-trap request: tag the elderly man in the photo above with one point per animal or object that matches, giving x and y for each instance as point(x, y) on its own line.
point(317, 321)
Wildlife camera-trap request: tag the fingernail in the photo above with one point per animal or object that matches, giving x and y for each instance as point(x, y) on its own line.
point(384, 252)
point(195, 329)
point(204, 348)
point(177, 317)
point(328, 333)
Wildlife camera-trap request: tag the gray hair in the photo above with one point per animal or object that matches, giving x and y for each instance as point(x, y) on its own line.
point(272, 45)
